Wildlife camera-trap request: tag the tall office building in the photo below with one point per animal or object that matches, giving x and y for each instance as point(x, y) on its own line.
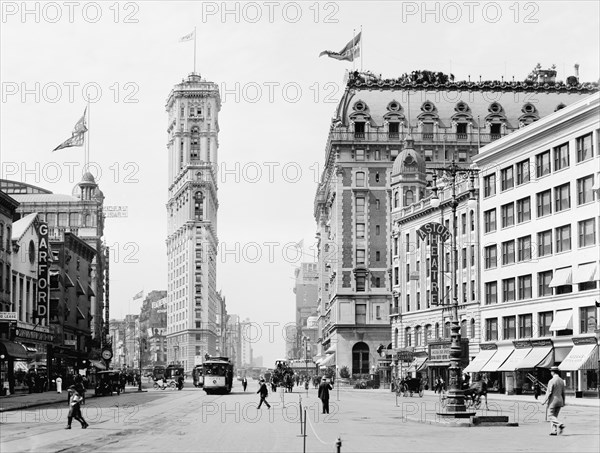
point(192, 308)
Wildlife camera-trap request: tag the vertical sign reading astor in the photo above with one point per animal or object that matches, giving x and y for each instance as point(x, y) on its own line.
point(43, 292)
point(434, 230)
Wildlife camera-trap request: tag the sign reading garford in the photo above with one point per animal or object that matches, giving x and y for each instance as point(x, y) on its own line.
point(43, 286)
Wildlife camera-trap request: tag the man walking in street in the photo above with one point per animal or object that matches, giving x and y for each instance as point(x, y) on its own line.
point(75, 409)
point(555, 398)
point(244, 383)
point(324, 394)
point(58, 384)
point(264, 392)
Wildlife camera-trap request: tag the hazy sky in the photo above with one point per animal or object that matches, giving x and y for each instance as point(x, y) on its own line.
point(278, 98)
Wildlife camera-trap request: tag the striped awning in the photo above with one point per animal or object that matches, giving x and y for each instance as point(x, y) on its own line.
point(328, 361)
point(479, 361)
point(497, 360)
point(581, 357)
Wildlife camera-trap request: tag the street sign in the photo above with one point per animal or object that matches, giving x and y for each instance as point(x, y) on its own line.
point(8, 315)
point(405, 356)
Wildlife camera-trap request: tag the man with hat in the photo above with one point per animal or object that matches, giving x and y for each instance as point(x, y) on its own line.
point(324, 394)
point(555, 398)
point(264, 392)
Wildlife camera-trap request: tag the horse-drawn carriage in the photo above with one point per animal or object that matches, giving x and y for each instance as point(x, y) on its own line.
point(283, 375)
point(410, 386)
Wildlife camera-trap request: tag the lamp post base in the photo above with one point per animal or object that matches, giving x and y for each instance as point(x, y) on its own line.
point(456, 414)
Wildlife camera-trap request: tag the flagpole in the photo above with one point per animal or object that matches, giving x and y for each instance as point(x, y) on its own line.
point(194, 49)
point(361, 50)
point(353, 36)
point(87, 140)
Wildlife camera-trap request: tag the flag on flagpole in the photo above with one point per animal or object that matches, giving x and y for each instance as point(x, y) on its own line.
point(189, 36)
point(300, 244)
point(139, 295)
point(348, 53)
point(77, 136)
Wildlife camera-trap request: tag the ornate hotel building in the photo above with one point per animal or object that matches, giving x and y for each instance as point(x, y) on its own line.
point(362, 284)
point(540, 248)
point(193, 302)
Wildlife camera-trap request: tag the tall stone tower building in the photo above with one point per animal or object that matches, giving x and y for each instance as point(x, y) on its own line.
point(192, 308)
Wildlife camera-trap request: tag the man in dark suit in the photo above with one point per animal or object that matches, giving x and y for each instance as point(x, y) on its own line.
point(324, 394)
point(264, 392)
point(555, 398)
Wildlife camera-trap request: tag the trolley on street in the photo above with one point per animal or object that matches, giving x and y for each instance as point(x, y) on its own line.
point(218, 375)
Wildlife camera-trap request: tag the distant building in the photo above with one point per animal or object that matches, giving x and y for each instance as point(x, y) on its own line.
point(291, 341)
point(153, 328)
point(306, 289)
point(117, 337)
point(233, 340)
point(248, 332)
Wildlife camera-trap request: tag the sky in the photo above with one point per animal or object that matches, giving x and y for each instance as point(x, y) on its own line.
point(278, 98)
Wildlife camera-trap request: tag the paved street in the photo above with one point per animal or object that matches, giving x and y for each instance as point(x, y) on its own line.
point(365, 420)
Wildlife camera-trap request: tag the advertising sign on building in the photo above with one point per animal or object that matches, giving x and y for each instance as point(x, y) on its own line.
point(43, 280)
point(8, 315)
point(434, 230)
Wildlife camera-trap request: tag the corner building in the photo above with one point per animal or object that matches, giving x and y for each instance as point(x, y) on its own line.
point(354, 199)
point(192, 308)
point(540, 253)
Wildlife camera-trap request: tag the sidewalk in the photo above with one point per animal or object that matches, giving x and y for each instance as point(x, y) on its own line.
point(570, 400)
point(27, 400)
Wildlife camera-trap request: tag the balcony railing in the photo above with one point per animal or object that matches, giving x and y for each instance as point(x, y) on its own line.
point(425, 137)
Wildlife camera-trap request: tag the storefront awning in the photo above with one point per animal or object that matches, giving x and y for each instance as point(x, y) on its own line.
point(418, 364)
point(586, 273)
point(13, 350)
point(328, 361)
point(479, 361)
point(563, 320)
point(497, 360)
point(581, 357)
point(515, 358)
point(331, 350)
point(561, 277)
point(540, 357)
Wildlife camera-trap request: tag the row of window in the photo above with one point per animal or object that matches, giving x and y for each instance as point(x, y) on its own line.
point(521, 287)
point(522, 326)
point(422, 335)
point(562, 201)
point(586, 230)
point(5, 237)
point(543, 165)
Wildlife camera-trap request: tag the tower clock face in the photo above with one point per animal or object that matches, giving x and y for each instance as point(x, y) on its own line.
point(107, 354)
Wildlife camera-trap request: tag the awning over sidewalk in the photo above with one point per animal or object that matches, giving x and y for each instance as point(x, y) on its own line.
point(540, 357)
point(417, 365)
point(328, 361)
point(479, 361)
point(497, 360)
point(581, 357)
point(517, 356)
point(563, 320)
point(13, 349)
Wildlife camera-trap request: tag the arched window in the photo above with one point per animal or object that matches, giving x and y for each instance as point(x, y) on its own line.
point(418, 336)
point(409, 198)
point(463, 328)
point(195, 144)
point(396, 339)
point(472, 220)
point(407, 338)
point(199, 206)
point(396, 199)
point(437, 330)
point(472, 330)
point(447, 329)
point(360, 358)
point(426, 334)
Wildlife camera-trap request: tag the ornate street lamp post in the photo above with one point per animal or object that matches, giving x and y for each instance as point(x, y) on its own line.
point(456, 400)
